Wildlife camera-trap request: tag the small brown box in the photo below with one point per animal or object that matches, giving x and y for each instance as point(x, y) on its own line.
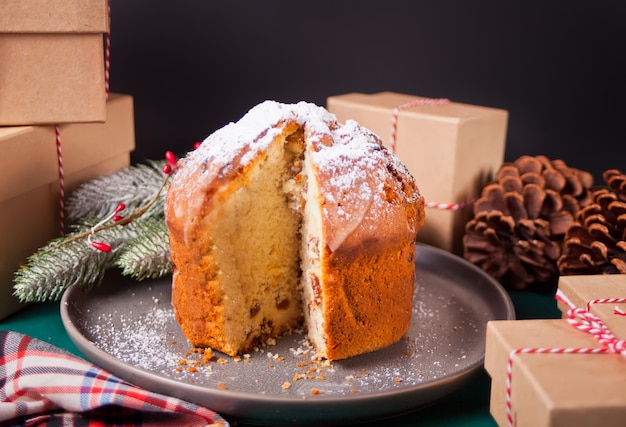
point(451, 149)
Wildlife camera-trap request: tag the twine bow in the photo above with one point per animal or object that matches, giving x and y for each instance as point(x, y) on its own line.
point(587, 322)
point(584, 320)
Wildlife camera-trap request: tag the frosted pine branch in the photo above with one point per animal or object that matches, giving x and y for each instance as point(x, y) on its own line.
point(147, 255)
point(118, 221)
point(134, 186)
point(53, 268)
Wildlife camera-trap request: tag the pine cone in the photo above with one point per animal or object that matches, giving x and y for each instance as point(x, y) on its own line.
point(596, 242)
point(519, 222)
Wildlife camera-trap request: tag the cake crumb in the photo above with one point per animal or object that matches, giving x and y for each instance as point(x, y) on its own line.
point(222, 361)
point(208, 355)
point(286, 385)
point(275, 356)
point(315, 391)
point(397, 379)
point(222, 386)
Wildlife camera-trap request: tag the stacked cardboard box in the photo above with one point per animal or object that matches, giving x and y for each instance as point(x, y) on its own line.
point(52, 73)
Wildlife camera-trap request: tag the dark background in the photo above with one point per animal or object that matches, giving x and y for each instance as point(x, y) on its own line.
point(557, 67)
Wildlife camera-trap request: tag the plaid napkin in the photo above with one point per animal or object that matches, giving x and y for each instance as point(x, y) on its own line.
point(42, 385)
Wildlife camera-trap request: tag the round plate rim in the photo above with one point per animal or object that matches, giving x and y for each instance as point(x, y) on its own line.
point(444, 385)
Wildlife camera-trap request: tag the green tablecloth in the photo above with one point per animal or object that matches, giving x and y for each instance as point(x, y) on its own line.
point(468, 406)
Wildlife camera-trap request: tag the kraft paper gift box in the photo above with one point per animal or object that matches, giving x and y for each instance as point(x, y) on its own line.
point(452, 150)
point(29, 180)
point(554, 390)
point(52, 66)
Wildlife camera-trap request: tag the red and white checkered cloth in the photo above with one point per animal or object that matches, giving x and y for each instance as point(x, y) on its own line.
point(42, 385)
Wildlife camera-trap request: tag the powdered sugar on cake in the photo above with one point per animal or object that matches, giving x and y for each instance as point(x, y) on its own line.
point(235, 145)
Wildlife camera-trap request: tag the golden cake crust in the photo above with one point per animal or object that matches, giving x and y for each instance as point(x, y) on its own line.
point(197, 296)
point(371, 213)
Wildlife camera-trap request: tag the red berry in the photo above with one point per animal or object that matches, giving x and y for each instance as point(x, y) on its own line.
point(171, 158)
point(117, 218)
point(120, 208)
point(101, 246)
point(197, 145)
point(167, 169)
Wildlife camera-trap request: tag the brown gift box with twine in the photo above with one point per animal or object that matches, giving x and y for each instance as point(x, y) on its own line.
point(451, 149)
point(556, 372)
point(52, 62)
point(30, 183)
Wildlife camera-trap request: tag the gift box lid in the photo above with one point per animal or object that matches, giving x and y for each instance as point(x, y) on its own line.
point(54, 16)
point(387, 101)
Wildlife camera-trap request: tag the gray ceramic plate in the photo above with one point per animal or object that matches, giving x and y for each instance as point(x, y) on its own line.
point(128, 328)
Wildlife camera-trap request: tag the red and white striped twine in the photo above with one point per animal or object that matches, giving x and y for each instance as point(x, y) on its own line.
point(392, 145)
point(57, 130)
point(582, 320)
point(617, 310)
point(107, 53)
point(415, 103)
point(449, 206)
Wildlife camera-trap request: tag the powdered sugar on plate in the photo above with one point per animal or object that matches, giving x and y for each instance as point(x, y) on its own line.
point(137, 326)
point(129, 329)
